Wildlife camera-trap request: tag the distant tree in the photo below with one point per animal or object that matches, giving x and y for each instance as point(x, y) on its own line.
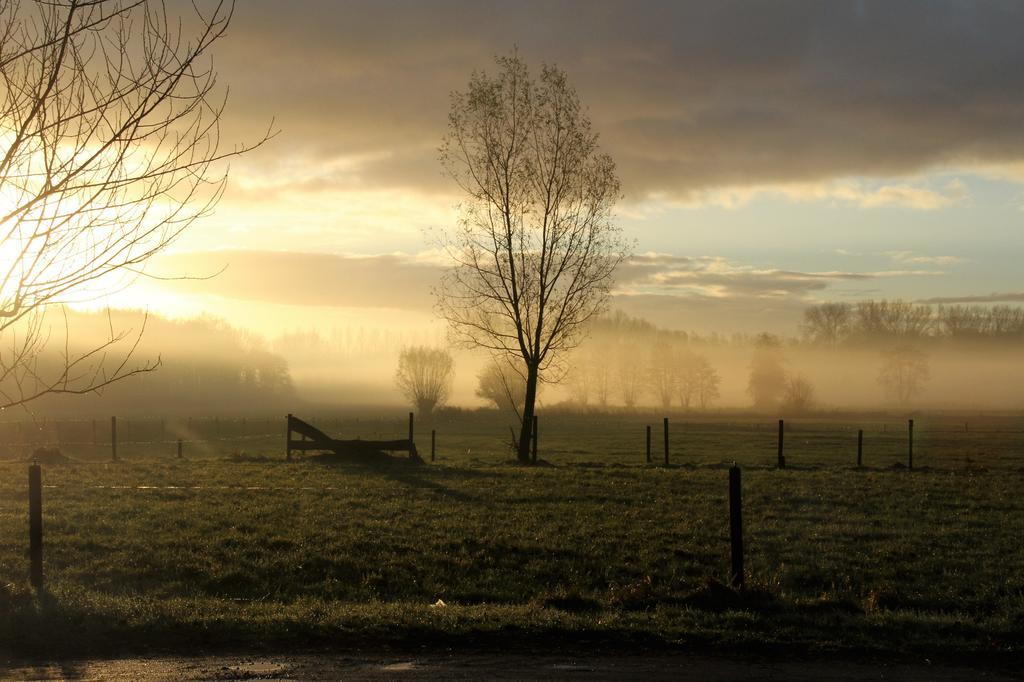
point(904, 372)
point(687, 370)
point(629, 373)
point(961, 322)
point(767, 372)
point(798, 395)
point(424, 376)
point(706, 383)
point(1005, 322)
point(577, 379)
point(535, 248)
point(661, 372)
point(894, 321)
point(500, 384)
point(827, 324)
point(600, 379)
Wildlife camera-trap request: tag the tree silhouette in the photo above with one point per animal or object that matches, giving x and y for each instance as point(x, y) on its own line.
point(767, 372)
point(662, 373)
point(500, 384)
point(904, 372)
point(798, 394)
point(706, 383)
point(424, 376)
point(828, 324)
point(535, 247)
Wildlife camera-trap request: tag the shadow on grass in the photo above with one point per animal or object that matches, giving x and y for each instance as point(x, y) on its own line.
point(407, 472)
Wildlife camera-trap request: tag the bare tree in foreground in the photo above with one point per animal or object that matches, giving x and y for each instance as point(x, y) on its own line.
point(109, 149)
point(535, 248)
point(424, 376)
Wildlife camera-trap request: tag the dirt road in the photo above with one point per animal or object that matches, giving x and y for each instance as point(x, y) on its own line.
point(483, 666)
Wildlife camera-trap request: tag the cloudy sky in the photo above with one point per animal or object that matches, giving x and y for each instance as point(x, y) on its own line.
point(772, 154)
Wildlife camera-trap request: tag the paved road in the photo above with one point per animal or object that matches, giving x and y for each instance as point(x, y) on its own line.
point(484, 666)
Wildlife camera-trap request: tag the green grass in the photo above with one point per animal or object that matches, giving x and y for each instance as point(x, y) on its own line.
point(153, 553)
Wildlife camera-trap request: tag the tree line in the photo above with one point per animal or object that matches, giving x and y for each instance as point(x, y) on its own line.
point(874, 322)
point(628, 362)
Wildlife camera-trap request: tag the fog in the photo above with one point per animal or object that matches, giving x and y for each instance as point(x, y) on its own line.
point(874, 355)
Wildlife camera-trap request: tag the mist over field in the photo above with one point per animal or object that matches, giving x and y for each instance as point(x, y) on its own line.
point(971, 355)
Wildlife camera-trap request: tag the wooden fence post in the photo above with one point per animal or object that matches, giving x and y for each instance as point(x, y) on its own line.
point(179, 449)
point(113, 438)
point(433, 443)
point(648, 443)
point(288, 436)
point(736, 527)
point(534, 458)
point(410, 427)
point(910, 444)
point(782, 457)
point(35, 525)
point(666, 441)
point(860, 447)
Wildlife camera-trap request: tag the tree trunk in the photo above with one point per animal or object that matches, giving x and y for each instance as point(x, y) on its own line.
point(526, 429)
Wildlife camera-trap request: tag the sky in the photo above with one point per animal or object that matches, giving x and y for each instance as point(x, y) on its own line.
point(772, 155)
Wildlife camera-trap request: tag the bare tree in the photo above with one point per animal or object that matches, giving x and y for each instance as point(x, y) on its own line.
point(961, 322)
point(578, 380)
point(891, 321)
point(424, 376)
point(827, 324)
point(499, 383)
point(1005, 322)
point(662, 372)
point(798, 394)
point(629, 372)
point(904, 372)
point(535, 248)
point(767, 372)
point(109, 150)
point(600, 377)
point(706, 382)
point(687, 367)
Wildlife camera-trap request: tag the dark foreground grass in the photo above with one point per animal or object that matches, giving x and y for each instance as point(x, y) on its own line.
point(255, 551)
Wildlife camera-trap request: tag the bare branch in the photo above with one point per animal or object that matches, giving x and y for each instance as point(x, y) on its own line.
point(109, 150)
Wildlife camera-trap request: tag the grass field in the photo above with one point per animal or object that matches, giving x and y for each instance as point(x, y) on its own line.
point(236, 547)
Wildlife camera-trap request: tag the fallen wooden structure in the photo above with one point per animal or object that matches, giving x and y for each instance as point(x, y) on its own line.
point(316, 440)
